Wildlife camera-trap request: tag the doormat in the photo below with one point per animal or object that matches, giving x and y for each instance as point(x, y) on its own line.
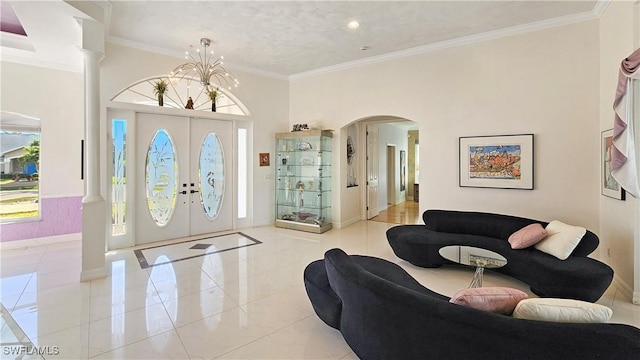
point(190, 249)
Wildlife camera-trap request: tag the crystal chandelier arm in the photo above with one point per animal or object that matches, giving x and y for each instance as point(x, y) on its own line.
point(205, 67)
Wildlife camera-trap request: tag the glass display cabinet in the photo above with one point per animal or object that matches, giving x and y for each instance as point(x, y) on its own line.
point(303, 186)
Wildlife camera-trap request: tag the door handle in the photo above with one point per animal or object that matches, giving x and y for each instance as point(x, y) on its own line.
point(194, 191)
point(184, 192)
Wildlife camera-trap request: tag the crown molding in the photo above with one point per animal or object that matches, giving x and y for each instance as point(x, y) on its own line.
point(466, 40)
point(22, 60)
point(164, 51)
point(601, 7)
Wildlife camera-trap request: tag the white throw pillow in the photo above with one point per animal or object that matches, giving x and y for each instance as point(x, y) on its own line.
point(561, 239)
point(562, 310)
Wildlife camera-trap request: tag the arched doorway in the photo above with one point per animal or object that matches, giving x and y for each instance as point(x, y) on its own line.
point(381, 175)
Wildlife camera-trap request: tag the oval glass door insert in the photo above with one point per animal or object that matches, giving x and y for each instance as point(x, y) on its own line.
point(211, 174)
point(161, 178)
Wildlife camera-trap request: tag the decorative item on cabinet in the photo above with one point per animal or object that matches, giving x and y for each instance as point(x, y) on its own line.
point(304, 162)
point(300, 127)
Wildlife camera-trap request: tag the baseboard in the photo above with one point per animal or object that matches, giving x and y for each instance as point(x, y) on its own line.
point(21, 244)
point(626, 290)
point(263, 222)
point(88, 275)
point(346, 223)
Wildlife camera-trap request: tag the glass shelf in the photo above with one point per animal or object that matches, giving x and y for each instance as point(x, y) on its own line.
point(303, 187)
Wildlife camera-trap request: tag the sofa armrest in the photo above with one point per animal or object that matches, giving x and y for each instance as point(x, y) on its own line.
point(409, 242)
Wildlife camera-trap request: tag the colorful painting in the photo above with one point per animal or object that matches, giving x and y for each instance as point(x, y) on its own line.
point(504, 161)
point(495, 162)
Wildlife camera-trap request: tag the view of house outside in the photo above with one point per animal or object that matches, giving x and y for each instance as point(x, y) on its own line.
point(19, 180)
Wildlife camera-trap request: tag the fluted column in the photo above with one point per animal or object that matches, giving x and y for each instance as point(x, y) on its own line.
point(93, 204)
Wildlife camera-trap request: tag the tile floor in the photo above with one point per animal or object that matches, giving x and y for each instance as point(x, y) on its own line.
point(247, 303)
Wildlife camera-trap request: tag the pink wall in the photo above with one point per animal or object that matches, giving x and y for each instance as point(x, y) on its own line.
point(59, 216)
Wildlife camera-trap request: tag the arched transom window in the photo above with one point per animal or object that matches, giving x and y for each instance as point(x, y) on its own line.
point(177, 95)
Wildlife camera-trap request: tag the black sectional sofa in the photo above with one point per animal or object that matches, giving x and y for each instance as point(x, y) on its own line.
point(578, 277)
point(384, 313)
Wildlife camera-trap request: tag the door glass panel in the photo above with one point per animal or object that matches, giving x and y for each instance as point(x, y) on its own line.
point(161, 174)
point(211, 175)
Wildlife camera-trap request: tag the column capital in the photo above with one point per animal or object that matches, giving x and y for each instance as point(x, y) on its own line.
point(89, 54)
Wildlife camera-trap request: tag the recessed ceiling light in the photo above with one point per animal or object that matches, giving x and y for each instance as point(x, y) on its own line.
point(353, 24)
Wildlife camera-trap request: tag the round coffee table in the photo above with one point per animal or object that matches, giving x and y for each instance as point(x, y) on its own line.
point(473, 256)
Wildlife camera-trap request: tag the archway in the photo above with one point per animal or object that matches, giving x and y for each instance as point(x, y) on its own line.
point(368, 152)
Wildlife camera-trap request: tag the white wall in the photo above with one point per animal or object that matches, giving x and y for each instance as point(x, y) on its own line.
point(616, 217)
point(56, 97)
point(390, 134)
point(266, 98)
point(545, 83)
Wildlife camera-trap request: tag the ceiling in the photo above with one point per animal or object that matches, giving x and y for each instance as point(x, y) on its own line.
point(293, 38)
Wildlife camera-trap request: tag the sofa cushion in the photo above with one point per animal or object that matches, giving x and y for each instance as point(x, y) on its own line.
point(561, 239)
point(527, 236)
point(500, 300)
point(562, 310)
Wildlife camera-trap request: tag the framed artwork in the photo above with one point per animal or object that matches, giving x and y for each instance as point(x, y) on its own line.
point(352, 151)
point(501, 161)
point(403, 170)
point(264, 159)
point(610, 186)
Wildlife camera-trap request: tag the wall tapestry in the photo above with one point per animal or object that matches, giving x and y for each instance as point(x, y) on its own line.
point(352, 162)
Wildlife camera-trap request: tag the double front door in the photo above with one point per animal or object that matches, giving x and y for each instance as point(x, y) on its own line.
point(183, 168)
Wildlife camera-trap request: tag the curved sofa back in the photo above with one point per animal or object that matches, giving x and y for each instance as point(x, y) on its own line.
point(384, 320)
point(493, 225)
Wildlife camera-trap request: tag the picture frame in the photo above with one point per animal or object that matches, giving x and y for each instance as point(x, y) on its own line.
point(403, 170)
point(352, 154)
point(264, 159)
point(497, 161)
point(609, 186)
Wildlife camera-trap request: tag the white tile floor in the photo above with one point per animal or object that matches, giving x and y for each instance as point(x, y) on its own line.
point(247, 303)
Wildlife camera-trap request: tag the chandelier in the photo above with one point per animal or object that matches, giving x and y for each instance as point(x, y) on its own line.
point(203, 65)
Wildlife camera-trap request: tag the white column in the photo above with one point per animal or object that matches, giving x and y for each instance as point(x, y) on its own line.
point(635, 90)
point(93, 204)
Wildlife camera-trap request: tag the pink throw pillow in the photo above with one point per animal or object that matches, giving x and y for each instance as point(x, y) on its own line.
point(500, 300)
point(527, 236)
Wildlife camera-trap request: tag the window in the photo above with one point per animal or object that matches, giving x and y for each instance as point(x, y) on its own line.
point(19, 180)
point(119, 179)
point(242, 173)
point(178, 94)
